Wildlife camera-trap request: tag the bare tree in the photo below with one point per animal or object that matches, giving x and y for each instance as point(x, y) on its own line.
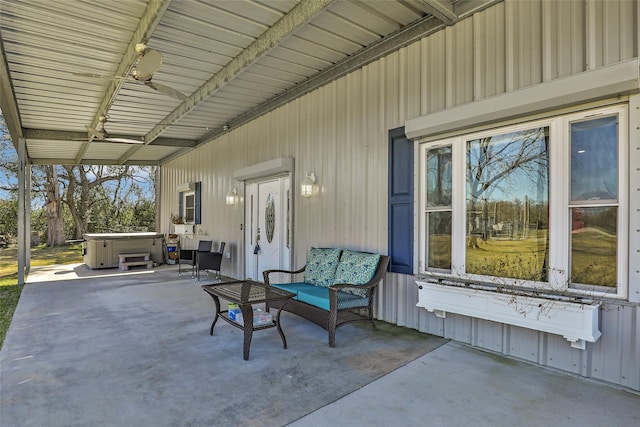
point(55, 221)
point(101, 193)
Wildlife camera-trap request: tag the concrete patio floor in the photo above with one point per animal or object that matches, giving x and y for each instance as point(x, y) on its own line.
point(92, 348)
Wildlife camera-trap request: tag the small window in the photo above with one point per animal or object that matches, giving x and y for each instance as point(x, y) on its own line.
point(189, 207)
point(593, 207)
point(438, 207)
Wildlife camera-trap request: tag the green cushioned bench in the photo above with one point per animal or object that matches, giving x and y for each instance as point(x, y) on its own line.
point(335, 287)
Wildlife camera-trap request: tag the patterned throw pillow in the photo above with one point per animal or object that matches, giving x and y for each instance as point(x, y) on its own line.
point(356, 268)
point(321, 266)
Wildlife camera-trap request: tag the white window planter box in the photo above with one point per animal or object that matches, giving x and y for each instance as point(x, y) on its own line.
point(183, 229)
point(576, 322)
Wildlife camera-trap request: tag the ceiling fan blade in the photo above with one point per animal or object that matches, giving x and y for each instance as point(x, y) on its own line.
point(166, 90)
point(125, 140)
point(100, 76)
point(148, 64)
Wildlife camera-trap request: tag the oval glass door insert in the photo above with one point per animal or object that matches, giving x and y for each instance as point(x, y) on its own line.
point(270, 216)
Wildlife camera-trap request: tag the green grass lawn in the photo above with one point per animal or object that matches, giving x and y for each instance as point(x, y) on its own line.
point(9, 289)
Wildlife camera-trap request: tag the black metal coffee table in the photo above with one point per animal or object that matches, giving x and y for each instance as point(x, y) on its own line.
point(245, 293)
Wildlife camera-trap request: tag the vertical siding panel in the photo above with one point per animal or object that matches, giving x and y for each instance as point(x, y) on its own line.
point(528, 22)
point(376, 191)
point(607, 351)
point(618, 30)
point(480, 57)
point(628, 34)
point(433, 73)
point(560, 355)
point(512, 45)
point(450, 36)
point(594, 18)
point(330, 169)
point(577, 37)
point(610, 32)
point(414, 88)
point(353, 205)
point(549, 34)
point(487, 335)
point(324, 153)
point(401, 64)
point(458, 328)
point(342, 163)
point(569, 25)
point(392, 87)
point(522, 343)
point(409, 314)
point(426, 59)
point(489, 54)
point(387, 304)
point(460, 72)
point(630, 360)
point(430, 323)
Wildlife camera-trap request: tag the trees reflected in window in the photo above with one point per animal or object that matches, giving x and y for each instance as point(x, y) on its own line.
point(507, 202)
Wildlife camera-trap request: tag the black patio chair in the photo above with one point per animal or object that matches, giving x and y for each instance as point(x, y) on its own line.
point(210, 261)
point(190, 256)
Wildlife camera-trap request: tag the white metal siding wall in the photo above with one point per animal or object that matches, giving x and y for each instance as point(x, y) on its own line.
point(340, 132)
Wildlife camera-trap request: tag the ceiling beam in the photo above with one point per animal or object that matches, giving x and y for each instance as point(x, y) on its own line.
point(152, 15)
point(8, 103)
point(302, 13)
point(90, 162)
point(441, 9)
point(60, 135)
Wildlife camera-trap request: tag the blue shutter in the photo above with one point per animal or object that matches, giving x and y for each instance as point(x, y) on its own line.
point(400, 202)
point(197, 214)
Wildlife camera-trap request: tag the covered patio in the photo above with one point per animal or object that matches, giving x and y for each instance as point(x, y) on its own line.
point(239, 101)
point(103, 347)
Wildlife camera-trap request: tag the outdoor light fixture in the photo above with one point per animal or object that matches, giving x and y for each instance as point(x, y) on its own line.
point(307, 184)
point(232, 196)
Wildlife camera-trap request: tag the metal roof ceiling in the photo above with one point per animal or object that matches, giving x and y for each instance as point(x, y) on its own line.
point(234, 60)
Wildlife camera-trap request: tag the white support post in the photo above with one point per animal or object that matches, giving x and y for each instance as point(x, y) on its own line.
point(24, 211)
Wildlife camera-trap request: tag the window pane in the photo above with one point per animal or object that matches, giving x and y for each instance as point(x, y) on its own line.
point(439, 250)
point(439, 177)
point(594, 159)
point(594, 245)
point(507, 204)
point(190, 210)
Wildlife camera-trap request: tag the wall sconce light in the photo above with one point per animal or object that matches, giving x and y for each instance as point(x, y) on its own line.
point(307, 184)
point(232, 196)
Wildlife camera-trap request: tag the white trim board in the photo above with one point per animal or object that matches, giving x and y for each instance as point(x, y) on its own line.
point(619, 79)
point(268, 168)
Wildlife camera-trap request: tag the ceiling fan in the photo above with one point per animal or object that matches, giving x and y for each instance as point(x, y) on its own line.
point(149, 62)
point(99, 133)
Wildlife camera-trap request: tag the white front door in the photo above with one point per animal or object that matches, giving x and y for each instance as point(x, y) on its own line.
point(268, 227)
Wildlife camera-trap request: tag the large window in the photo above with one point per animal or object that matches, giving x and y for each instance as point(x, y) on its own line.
point(537, 204)
point(507, 203)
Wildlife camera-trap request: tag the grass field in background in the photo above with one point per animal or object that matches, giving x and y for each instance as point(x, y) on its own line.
point(9, 289)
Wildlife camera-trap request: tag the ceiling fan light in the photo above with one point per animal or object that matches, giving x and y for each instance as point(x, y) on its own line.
point(141, 48)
